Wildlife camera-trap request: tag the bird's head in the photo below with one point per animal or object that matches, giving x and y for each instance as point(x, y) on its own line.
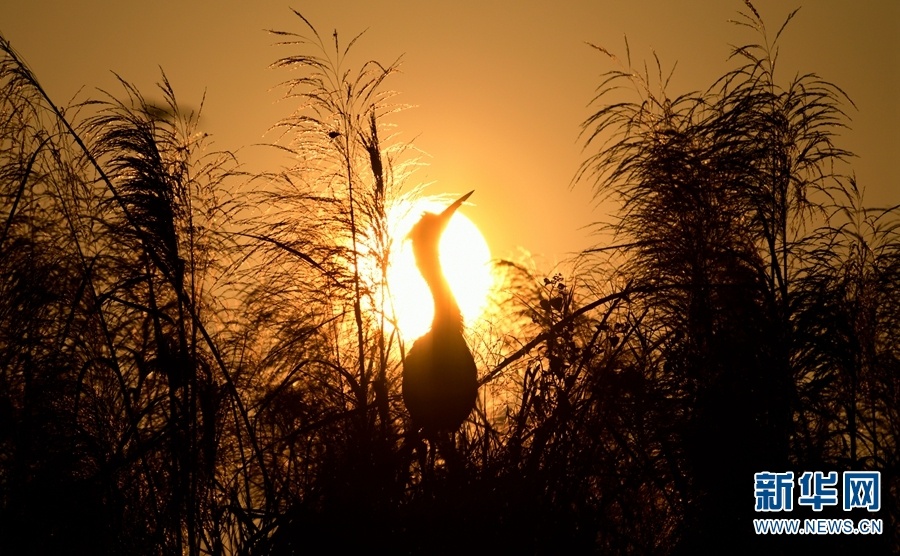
point(426, 234)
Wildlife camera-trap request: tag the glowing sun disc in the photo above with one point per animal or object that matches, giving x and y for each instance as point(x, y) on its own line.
point(465, 259)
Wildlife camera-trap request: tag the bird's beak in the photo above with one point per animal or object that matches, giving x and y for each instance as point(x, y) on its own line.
point(448, 212)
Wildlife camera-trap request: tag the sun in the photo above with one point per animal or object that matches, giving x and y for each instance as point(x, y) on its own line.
point(465, 259)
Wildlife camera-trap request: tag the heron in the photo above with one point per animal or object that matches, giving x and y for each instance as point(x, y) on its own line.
point(440, 381)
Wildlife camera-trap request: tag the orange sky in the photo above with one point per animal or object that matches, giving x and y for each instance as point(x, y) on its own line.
point(500, 89)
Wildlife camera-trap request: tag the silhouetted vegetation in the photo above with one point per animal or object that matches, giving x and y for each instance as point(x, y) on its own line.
point(196, 360)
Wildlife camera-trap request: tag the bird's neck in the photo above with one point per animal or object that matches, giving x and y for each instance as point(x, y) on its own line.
point(446, 310)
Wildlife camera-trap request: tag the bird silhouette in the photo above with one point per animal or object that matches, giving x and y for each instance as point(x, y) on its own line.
point(440, 381)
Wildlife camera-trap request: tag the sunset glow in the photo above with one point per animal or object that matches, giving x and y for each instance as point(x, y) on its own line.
point(449, 278)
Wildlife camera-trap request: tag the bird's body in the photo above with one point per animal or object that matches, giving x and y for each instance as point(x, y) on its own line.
point(440, 381)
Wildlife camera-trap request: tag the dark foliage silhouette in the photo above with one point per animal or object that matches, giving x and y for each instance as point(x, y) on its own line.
point(721, 194)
